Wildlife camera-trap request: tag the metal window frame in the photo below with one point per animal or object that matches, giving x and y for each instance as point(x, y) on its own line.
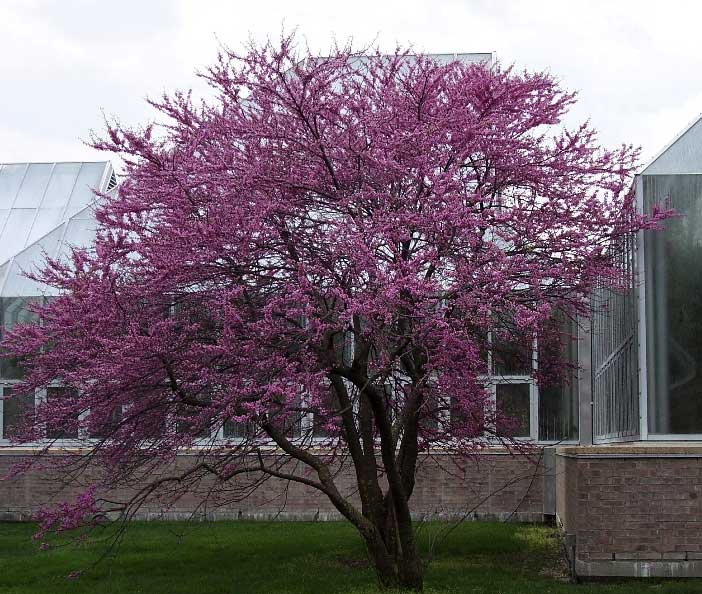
point(490, 381)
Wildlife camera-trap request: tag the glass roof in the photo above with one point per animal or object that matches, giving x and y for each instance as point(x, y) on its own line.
point(44, 209)
point(682, 156)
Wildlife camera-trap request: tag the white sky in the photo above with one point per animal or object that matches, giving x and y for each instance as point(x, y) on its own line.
point(636, 64)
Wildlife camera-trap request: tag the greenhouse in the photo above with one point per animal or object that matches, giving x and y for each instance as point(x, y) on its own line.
point(44, 209)
point(619, 457)
point(47, 208)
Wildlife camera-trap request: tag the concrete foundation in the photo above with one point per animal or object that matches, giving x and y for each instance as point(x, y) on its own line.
point(631, 510)
point(494, 485)
point(626, 510)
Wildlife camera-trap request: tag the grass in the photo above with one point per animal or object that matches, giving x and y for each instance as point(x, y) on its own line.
point(293, 558)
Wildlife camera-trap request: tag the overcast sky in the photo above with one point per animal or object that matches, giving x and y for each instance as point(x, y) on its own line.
point(636, 64)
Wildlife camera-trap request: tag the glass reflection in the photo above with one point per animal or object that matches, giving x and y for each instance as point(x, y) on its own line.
point(674, 306)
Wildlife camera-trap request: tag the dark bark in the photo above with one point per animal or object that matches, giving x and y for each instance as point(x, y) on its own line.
point(396, 560)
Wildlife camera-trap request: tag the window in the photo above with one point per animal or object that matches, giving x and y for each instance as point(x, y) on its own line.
point(66, 424)
point(344, 347)
point(15, 310)
point(288, 419)
point(430, 413)
point(102, 428)
point(326, 417)
point(467, 423)
point(558, 388)
point(545, 412)
point(526, 408)
point(510, 381)
point(512, 351)
point(513, 402)
point(14, 409)
point(238, 430)
point(194, 420)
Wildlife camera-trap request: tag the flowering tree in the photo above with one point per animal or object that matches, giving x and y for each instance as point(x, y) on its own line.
point(313, 261)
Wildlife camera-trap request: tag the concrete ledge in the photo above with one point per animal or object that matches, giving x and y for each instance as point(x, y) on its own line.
point(527, 451)
point(638, 449)
point(298, 516)
point(638, 569)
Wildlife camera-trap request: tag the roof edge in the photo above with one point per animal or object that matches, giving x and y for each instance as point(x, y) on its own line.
point(670, 144)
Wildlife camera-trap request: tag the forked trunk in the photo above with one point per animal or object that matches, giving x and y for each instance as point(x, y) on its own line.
point(397, 566)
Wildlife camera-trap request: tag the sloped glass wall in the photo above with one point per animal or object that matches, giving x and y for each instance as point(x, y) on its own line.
point(44, 209)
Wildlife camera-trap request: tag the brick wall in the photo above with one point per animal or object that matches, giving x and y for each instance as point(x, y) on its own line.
point(495, 485)
point(632, 509)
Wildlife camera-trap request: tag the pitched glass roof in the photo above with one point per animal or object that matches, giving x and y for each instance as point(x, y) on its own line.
point(682, 156)
point(44, 209)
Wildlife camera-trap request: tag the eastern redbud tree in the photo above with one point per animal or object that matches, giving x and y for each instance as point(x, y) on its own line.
point(316, 260)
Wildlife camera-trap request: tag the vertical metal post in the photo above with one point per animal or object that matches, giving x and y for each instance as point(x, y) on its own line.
point(549, 502)
point(2, 412)
point(641, 318)
point(585, 381)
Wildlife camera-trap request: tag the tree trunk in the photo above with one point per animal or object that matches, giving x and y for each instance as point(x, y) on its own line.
point(397, 566)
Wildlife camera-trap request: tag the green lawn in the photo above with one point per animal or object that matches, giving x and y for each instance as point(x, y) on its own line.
point(252, 557)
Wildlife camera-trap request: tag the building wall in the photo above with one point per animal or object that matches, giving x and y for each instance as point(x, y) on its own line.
point(626, 509)
point(497, 485)
point(631, 510)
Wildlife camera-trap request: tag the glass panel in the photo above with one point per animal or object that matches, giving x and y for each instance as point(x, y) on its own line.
point(481, 338)
point(105, 427)
point(674, 307)
point(558, 413)
point(236, 430)
point(10, 180)
point(67, 428)
point(4, 213)
point(513, 408)
point(190, 419)
point(558, 388)
point(288, 420)
point(87, 214)
point(88, 179)
point(80, 233)
point(511, 352)
point(615, 353)
point(60, 187)
point(326, 418)
point(465, 422)
point(34, 185)
point(343, 347)
point(14, 311)
point(14, 235)
point(14, 410)
point(46, 220)
point(30, 260)
point(150, 425)
point(3, 272)
point(430, 415)
point(56, 198)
